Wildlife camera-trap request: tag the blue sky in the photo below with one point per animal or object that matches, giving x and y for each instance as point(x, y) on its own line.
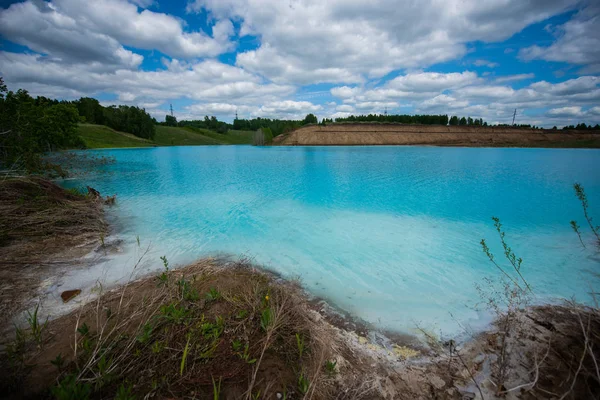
point(284, 59)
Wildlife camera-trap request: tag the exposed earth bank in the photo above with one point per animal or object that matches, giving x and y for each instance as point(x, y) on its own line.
point(230, 331)
point(435, 135)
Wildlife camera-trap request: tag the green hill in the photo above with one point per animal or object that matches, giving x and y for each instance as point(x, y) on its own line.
point(175, 136)
point(100, 136)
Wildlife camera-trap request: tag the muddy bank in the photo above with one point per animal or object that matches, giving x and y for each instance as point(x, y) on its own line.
point(43, 228)
point(237, 332)
point(435, 135)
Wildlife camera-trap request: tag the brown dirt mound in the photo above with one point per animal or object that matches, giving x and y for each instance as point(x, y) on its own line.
point(435, 135)
point(39, 222)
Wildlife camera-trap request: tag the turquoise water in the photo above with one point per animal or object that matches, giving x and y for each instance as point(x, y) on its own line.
point(390, 234)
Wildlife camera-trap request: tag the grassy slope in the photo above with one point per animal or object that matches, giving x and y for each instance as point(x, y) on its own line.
point(100, 136)
point(174, 136)
point(232, 137)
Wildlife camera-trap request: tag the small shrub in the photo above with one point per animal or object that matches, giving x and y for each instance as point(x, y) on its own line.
point(216, 389)
point(236, 345)
point(125, 392)
point(300, 344)
point(213, 295)
point(303, 384)
point(84, 330)
point(330, 367)
point(58, 362)
point(146, 333)
point(246, 355)
point(37, 329)
point(69, 389)
point(174, 313)
point(266, 318)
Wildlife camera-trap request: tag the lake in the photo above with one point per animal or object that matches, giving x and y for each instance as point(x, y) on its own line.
point(389, 234)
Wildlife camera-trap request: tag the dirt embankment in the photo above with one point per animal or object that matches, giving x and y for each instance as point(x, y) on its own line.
point(435, 135)
point(42, 226)
point(211, 330)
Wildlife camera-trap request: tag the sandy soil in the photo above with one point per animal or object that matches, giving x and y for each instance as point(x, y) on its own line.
point(542, 361)
point(435, 135)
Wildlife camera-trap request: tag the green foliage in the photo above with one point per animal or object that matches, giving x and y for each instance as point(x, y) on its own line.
point(146, 333)
point(213, 331)
point(403, 119)
point(277, 126)
point(213, 295)
point(174, 312)
point(58, 362)
point(266, 318)
point(216, 389)
point(90, 110)
point(580, 193)
point(187, 292)
point(163, 278)
point(300, 344)
point(130, 119)
point(246, 355)
point(100, 136)
point(30, 127)
point(576, 228)
point(330, 367)
point(310, 119)
point(77, 191)
point(125, 392)
point(170, 120)
point(303, 384)
point(84, 329)
point(157, 347)
point(268, 134)
point(184, 356)
point(236, 345)
point(70, 389)
point(37, 329)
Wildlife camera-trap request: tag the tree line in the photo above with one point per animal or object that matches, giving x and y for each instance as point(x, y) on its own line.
point(31, 126)
point(401, 119)
point(128, 119)
point(271, 127)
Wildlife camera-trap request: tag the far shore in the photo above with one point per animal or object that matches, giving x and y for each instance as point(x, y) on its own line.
point(368, 134)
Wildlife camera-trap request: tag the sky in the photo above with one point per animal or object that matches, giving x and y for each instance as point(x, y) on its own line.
point(332, 58)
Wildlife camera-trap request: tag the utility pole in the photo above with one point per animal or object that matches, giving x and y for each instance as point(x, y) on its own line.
point(236, 115)
point(514, 115)
point(171, 109)
point(385, 111)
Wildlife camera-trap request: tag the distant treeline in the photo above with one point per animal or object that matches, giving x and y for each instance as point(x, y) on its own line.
point(269, 126)
point(30, 127)
point(582, 127)
point(129, 119)
point(399, 119)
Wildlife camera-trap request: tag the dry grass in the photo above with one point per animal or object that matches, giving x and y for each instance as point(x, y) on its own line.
point(39, 221)
point(181, 333)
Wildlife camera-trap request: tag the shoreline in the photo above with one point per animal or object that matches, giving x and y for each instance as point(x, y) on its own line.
point(444, 136)
point(393, 367)
point(308, 344)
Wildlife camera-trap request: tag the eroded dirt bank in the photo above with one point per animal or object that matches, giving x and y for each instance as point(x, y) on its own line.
point(435, 135)
point(43, 228)
point(230, 331)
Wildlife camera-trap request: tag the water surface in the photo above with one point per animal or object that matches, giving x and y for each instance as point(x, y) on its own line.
point(390, 234)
